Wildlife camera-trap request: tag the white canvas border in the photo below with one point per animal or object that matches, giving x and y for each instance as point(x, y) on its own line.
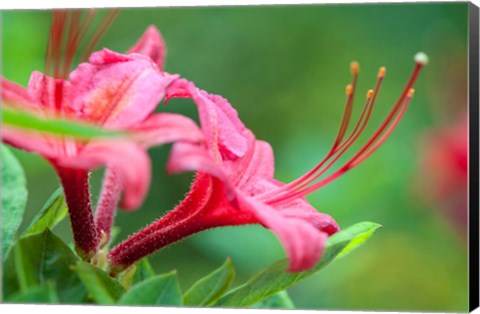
point(81, 309)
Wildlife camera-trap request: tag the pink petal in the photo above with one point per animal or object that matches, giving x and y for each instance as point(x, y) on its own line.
point(31, 141)
point(152, 45)
point(179, 89)
point(16, 95)
point(189, 157)
point(53, 95)
point(257, 164)
point(303, 242)
point(166, 128)
point(118, 90)
point(36, 100)
point(297, 208)
point(107, 56)
point(223, 129)
point(221, 124)
point(129, 160)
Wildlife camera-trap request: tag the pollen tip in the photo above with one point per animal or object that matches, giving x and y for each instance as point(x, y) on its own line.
point(369, 94)
point(411, 91)
point(421, 58)
point(354, 67)
point(381, 72)
point(349, 90)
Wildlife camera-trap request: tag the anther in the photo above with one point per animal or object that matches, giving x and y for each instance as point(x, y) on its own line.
point(369, 94)
point(349, 90)
point(381, 72)
point(410, 93)
point(354, 67)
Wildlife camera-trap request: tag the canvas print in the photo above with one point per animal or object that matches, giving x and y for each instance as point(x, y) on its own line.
point(294, 157)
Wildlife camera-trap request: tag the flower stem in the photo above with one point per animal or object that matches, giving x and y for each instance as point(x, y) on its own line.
point(159, 234)
point(77, 195)
point(107, 204)
point(197, 212)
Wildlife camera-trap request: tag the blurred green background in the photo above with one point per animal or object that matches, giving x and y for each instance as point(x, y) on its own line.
point(284, 68)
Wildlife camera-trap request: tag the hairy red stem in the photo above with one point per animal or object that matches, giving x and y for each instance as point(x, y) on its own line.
point(77, 195)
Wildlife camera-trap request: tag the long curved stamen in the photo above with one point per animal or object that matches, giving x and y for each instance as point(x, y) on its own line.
point(387, 133)
point(350, 91)
point(358, 158)
point(338, 149)
point(354, 136)
point(366, 112)
point(73, 40)
point(68, 31)
point(54, 46)
point(374, 142)
point(358, 130)
point(106, 22)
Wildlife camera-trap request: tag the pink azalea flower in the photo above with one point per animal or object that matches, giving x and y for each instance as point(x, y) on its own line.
point(444, 165)
point(235, 184)
point(113, 91)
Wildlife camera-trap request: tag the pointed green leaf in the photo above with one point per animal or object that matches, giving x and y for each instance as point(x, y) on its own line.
point(362, 231)
point(143, 272)
point(43, 294)
point(210, 288)
point(103, 289)
point(14, 198)
point(54, 210)
point(38, 259)
point(275, 278)
point(157, 290)
point(279, 300)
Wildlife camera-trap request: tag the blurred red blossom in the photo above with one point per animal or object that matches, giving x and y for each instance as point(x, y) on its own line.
point(444, 164)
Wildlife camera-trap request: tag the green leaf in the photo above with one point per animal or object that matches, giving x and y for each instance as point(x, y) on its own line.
point(363, 231)
point(41, 258)
point(157, 290)
point(143, 272)
point(210, 288)
point(54, 210)
point(275, 278)
point(43, 294)
point(102, 288)
point(28, 121)
point(14, 198)
point(279, 300)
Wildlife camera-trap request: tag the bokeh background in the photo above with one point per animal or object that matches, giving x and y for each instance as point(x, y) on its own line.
point(284, 68)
